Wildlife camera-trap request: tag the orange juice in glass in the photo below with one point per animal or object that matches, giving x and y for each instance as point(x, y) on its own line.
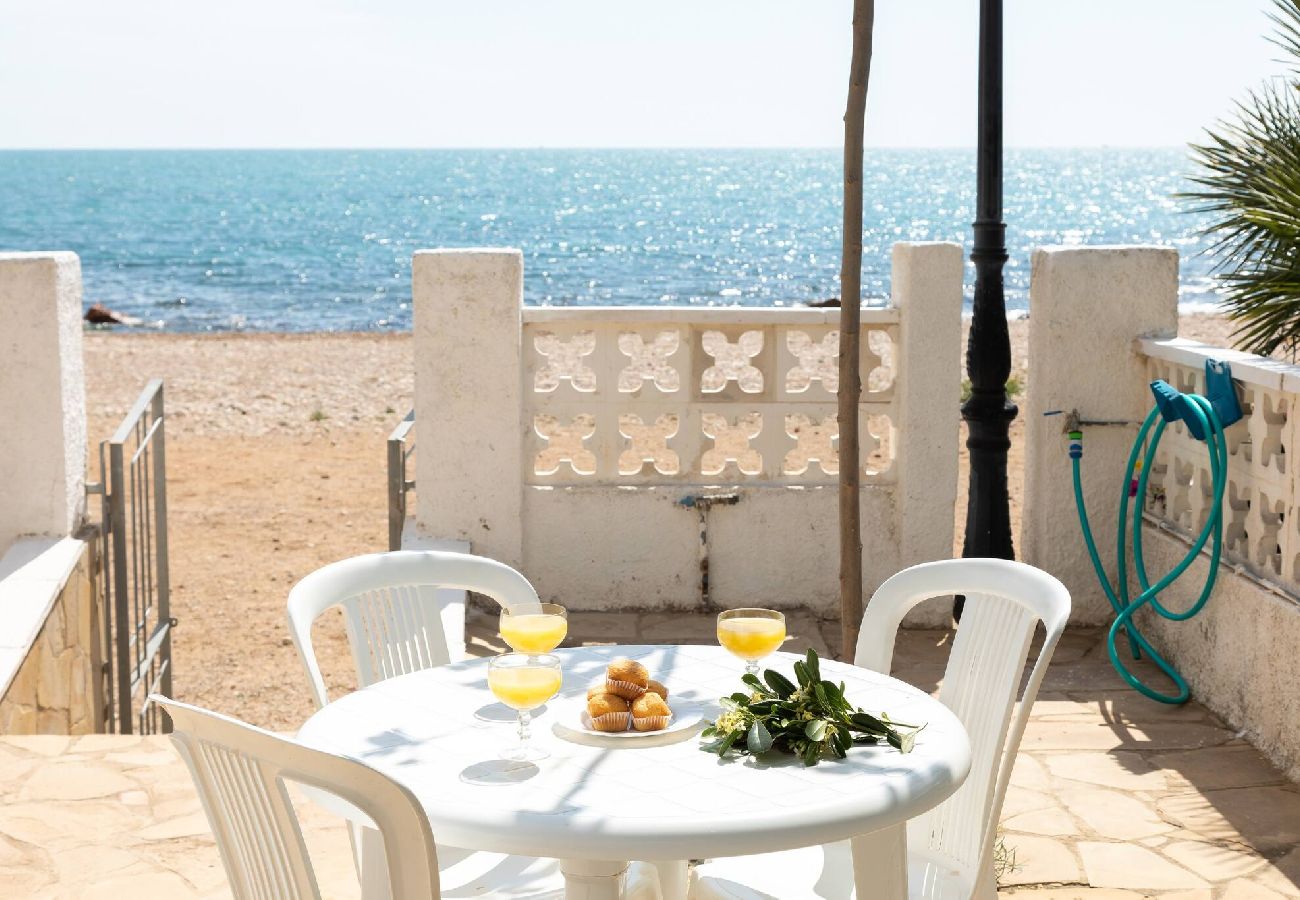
point(534, 629)
point(524, 682)
point(751, 634)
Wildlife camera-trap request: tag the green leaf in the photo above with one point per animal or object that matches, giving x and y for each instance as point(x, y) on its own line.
point(801, 673)
point(708, 732)
point(903, 741)
point(816, 729)
point(752, 681)
point(819, 694)
point(811, 753)
point(759, 739)
point(782, 685)
point(834, 696)
point(869, 723)
point(727, 742)
point(813, 666)
point(841, 741)
point(711, 746)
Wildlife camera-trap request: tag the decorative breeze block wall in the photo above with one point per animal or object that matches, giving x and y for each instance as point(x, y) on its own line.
point(694, 396)
point(576, 443)
point(1261, 530)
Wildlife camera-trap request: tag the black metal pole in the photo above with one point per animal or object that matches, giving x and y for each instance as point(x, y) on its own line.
point(988, 412)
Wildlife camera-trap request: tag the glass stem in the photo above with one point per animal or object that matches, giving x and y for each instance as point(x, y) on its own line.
point(525, 718)
point(751, 666)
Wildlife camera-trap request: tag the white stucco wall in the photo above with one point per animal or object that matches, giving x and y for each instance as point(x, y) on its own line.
point(1239, 653)
point(927, 287)
point(42, 396)
point(468, 430)
point(611, 544)
point(1091, 307)
point(1088, 305)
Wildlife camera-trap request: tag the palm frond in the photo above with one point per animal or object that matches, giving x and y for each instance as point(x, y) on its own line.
point(1249, 182)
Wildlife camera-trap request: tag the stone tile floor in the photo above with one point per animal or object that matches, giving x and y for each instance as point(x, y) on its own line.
point(1114, 797)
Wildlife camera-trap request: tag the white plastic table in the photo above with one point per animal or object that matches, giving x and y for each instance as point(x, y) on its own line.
point(595, 808)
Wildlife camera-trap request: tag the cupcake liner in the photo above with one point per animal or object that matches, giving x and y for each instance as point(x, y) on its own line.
point(651, 723)
point(625, 689)
point(615, 721)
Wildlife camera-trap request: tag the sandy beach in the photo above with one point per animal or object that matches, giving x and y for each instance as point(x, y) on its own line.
point(276, 467)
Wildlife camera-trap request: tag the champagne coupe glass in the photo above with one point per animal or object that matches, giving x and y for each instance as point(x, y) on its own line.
point(534, 629)
point(524, 682)
point(751, 634)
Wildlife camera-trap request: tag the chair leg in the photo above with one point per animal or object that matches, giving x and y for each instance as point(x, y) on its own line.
point(374, 866)
point(880, 863)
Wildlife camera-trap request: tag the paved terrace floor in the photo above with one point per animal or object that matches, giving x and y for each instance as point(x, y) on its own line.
point(1114, 797)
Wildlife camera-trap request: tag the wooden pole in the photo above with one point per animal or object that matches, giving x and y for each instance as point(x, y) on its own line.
point(850, 392)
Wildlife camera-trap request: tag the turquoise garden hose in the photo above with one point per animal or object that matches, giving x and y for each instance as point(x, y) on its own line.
point(1204, 422)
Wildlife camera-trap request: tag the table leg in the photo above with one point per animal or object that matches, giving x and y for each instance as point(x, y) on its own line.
point(880, 863)
point(592, 879)
point(673, 876)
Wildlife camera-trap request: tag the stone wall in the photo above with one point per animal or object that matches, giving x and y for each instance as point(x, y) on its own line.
point(56, 688)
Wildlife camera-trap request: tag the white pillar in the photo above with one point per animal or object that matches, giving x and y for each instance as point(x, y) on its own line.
point(468, 428)
point(42, 396)
point(1087, 305)
point(927, 288)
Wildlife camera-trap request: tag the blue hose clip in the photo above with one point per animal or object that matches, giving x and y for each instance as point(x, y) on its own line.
point(1219, 390)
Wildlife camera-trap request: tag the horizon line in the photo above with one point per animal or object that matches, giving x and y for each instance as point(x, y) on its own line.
point(540, 147)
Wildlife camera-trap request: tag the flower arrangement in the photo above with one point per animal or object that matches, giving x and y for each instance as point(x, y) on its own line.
point(810, 720)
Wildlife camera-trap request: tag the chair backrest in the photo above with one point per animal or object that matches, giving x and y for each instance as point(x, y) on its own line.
point(240, 773)
point(1005, 601)
point(390, 608)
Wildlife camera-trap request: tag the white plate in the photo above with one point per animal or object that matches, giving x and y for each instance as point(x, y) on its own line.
point(573, 724)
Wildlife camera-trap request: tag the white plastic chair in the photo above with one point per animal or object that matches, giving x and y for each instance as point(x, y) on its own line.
point(950, 848)
point(390, 608)
point(240, 773)
point(394, 626)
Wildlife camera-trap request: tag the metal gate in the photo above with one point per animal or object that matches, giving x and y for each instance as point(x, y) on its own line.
point(133, 584)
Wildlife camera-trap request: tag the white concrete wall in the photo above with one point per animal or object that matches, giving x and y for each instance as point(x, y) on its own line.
point(1239, 654)
point(927, 287)
point(42, 396)
point(1087, 304)
point(1097, 313)
point(612, 543)
point(468, 431)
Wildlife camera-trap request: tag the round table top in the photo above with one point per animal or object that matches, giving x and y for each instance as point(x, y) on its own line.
point(440, 731)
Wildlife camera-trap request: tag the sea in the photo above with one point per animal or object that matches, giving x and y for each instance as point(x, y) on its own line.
point(321, 240)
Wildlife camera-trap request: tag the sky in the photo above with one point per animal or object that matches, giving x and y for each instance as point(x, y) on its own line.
point(603, 73)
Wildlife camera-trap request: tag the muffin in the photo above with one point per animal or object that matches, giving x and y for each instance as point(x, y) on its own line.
point(650, 712)
point(596, 689)
point(609, 712)
point(627, 678)
point(657, 687)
